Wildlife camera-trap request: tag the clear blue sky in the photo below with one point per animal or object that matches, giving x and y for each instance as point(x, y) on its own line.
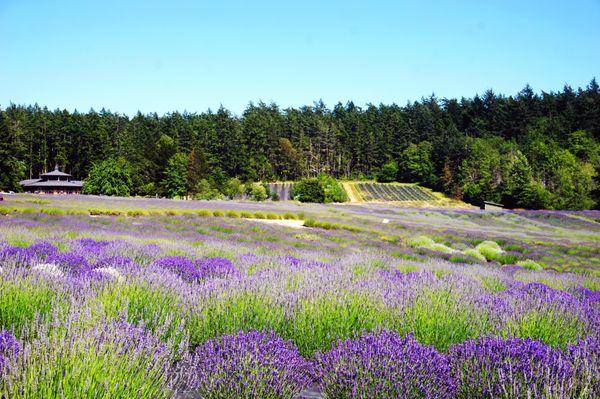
point(193, 55)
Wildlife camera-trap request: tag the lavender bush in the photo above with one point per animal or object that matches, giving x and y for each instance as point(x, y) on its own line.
point(384, 365)
point(9, 346)
point(512, 368)
point(215, 267)
point(109, 360)
point(585, 359)
point(179, 265)
point(246, 365)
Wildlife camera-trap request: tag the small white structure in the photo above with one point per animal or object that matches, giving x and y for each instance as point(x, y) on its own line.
point(491, 206)
point(110, 272)
point(49, 269)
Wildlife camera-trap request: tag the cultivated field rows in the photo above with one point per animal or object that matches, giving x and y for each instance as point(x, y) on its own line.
point(207, 300)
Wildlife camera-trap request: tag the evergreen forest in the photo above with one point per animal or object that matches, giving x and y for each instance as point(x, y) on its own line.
point(538, 150)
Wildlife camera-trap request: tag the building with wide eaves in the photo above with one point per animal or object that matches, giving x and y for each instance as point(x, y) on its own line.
point(55, 182)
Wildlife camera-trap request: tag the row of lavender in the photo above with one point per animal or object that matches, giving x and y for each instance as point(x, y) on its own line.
point(262, 365)
point(558, 240)
point(122, 318)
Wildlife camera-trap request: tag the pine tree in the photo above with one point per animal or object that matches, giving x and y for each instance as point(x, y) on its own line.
point(198, 169)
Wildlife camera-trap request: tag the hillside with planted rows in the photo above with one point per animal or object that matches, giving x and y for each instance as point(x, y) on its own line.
point(368, 191)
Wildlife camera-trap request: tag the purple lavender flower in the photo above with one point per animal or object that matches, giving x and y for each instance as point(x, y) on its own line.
point(592, 296)
point(9, 345)
point(70, 263)
point(248, 257)
point(138, 338)
point(246, 365)
point(17, 256)
point(512, 368)
point(118, 262)
point(301, 263)
point(93, 246)
point(183, 267)
point(585, 358)
point(42, 250)
point(384, 365)
point(215, 267)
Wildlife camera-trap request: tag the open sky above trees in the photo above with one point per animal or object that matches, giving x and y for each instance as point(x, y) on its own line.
point(184, 96)
point(163, 56)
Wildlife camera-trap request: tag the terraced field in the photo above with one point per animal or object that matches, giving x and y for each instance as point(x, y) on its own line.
point(388, 192)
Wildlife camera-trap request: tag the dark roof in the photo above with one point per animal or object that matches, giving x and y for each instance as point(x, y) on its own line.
point(29, 181)
point(51, 183)
point(55, 172)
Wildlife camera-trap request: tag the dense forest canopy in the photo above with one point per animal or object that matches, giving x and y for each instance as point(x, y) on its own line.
point(529, 150)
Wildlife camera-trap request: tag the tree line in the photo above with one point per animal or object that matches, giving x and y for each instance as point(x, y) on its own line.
point(526, 150)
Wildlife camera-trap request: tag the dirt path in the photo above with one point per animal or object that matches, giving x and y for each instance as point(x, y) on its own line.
point(350, 191)
point(295, 224)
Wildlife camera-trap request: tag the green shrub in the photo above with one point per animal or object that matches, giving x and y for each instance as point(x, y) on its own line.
point(142, 302)
point(320, 322)
point(332, 189)
point(290, 216)
point(136, 213)
point(308, 190)
point(221, 229)
point(428, 243)
point(258, 192)
point(259, 215)
point(507, 258)
point(233, 188)
point(591, 284)
point(322, 188)
point(21, 300)
point(388, 172)
point(5, 211)
point(205, 190)
point(242, 312)
point(218, 213)
point(440, 318)
point(554, 328)
point(105, 212)
point(18, 240)
point(474, 254)
point(516, 248)
point(420, 241)
point(489, 249)
point(52, 211)
point(76, 361)
point(529, 264)
point(109, 177)
point(493, 284)
point(460, 259)
point(330, 226)
point(233, 214)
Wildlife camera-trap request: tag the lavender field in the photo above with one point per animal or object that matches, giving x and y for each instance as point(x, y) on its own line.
point(150, 298)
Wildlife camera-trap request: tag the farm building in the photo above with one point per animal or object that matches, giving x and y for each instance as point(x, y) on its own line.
point(491, 206)
point(55, 182)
